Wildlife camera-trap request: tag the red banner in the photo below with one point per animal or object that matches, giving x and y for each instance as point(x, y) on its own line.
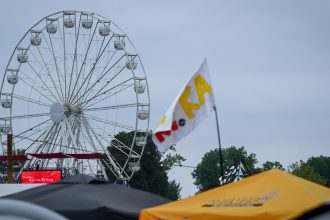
point(41, 176)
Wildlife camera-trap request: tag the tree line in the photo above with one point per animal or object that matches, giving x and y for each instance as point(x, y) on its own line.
point(153, 176)
point(206, 174)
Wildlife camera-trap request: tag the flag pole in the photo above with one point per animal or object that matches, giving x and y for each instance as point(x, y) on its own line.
point(219, 141)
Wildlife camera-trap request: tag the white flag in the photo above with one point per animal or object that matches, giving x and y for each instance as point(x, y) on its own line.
point(193, 104)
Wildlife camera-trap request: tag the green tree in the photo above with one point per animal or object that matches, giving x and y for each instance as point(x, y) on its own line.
point(172, 159)
point(321, 164)
point(153, 176)
point(270, 165)
point(306, 171)
point(267, 166)
point(233, 154)
point(207, 172)
point(173, 191)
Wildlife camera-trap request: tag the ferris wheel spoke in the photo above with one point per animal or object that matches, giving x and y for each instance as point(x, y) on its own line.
point(111, 107)
point(35, 59)
point(45, 85)
point(83, 63)
point(50, 139)
point(99, 93)
point(97, 59)
point(28, 163)
point(62, 44)
point(106, 65)
point(22, 138)
point(109, 59)
point(95, 101)
point(56, 64)
point(27, 99)
point(75, 54)
point(47, 47)
point(88, 77)
point(87, 91)
point(49, 74)
point(30, 129)
point(25, 116)
point(33, 88)
point(127, 127)
point(47, 137)
point(40, 138)
point(64, 61)
point(73, 101)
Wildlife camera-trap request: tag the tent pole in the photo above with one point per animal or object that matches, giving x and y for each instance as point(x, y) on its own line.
point(219, 141)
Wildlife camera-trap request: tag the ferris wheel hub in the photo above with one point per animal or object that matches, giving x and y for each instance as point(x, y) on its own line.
point(57, 112)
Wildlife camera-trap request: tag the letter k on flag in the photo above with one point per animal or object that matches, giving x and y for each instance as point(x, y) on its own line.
point(193, 104)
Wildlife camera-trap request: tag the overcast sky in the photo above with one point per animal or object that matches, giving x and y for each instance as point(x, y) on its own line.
point(269, 62)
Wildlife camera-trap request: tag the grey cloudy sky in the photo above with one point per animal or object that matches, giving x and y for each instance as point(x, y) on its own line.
point(269, 64)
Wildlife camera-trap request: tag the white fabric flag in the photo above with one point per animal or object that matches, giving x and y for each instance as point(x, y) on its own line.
point(192, 105)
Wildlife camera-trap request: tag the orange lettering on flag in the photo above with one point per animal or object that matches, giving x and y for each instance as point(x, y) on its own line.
point(187, 106)
point(202, 87)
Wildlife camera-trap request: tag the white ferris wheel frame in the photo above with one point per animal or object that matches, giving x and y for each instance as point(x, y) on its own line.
point(71, 121)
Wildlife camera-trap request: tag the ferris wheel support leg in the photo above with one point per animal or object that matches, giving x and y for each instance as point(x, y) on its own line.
point(93, 144)
point(72, 139)
point(82, 147)
point(47, 146)
point(117, 169)
point(49, 143)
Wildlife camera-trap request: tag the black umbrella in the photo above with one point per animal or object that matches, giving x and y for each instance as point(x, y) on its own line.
point(83, 197)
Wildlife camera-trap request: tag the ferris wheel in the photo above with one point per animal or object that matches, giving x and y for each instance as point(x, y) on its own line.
point(72, 84)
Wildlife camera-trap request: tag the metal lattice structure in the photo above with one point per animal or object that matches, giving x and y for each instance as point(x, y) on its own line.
point(72, 83)
point(236, 172)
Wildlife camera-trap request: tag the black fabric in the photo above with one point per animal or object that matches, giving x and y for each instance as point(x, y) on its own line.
point(83, 197)
point(80, 178)
point(320, 212)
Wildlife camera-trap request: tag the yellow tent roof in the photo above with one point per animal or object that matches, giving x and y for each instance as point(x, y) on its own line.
point(272, 194)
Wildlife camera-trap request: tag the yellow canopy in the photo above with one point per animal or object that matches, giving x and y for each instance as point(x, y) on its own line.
point(272, 194)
